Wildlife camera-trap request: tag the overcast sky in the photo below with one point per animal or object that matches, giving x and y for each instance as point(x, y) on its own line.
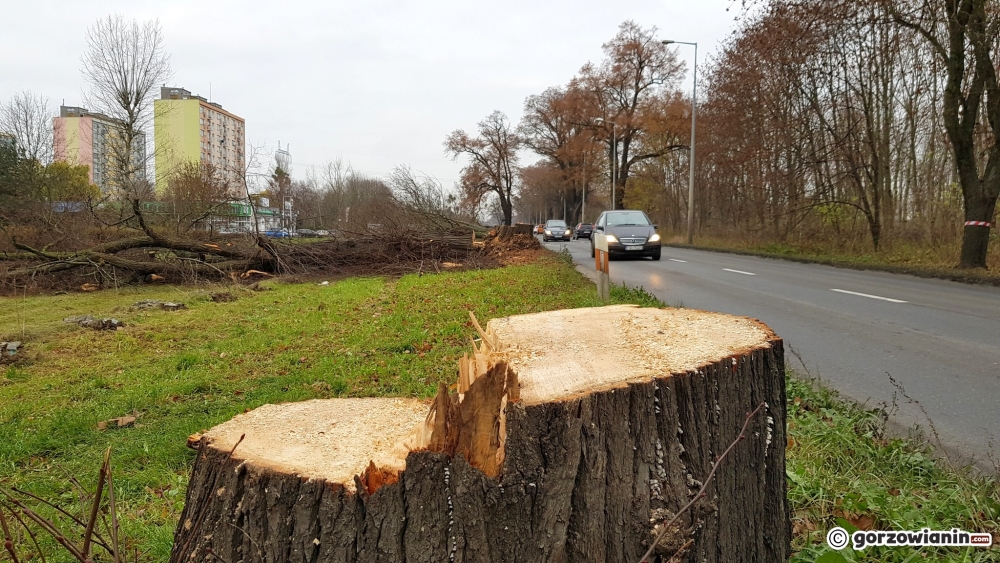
point(377, 83)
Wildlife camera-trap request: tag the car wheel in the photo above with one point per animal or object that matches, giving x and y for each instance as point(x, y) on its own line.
point(656, 256)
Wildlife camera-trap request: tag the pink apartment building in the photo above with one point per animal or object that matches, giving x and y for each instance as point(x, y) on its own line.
point(83, 137)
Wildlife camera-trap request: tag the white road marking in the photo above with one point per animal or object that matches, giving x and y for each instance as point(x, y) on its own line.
point(869, 296)
point(739, 272)
point(676, 260)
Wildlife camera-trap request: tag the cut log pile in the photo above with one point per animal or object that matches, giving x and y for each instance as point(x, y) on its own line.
point(569, 436)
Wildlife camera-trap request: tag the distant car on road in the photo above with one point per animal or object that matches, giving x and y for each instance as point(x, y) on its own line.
point(540, 229)
point(278, 233)
point(556, 229)
point(583, 230)
point(628, 233)
point(306, 233)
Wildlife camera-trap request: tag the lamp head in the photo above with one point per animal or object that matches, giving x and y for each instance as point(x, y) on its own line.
point(667, 41)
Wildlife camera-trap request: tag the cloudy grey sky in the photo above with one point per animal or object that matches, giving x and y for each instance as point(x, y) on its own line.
point(377, 83)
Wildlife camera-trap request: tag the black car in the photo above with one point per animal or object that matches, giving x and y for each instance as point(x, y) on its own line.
point(556, 229)
point(584, 230)
point(628, 232)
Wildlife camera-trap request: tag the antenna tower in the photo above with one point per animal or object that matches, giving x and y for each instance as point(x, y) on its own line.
point(283, 158)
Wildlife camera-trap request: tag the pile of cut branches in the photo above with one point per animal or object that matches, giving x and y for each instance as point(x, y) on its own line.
point(144, 254)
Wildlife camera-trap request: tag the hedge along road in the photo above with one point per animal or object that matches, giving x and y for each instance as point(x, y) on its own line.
point(940, 340)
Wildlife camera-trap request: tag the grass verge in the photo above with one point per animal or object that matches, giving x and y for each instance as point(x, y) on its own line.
point(843, 471)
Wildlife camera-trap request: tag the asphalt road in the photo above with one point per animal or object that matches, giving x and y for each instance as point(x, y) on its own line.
point(939, 339)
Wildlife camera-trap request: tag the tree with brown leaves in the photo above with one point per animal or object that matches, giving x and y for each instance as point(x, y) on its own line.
point(557, 125)
point(194, 194)
point(629, 90)
point(492, 167)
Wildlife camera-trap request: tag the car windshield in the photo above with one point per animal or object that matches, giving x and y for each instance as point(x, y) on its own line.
point(627, 219)
point(555, 224)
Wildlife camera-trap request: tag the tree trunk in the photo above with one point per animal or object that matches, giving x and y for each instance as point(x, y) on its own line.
point(563, 445)
point(979, 212)
point(507, 207)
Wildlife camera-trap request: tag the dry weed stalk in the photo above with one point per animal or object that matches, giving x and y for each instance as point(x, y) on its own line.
point(16, 506)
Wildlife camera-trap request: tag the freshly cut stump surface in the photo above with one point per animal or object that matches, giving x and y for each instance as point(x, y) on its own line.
point(333, 440)
point(564, 353)
point(570, 436)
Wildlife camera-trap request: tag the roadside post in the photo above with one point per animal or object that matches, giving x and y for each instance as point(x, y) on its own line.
point(601, 263)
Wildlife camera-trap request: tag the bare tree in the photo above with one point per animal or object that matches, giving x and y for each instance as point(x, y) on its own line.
point(492, 167)
point(28, 118)
point(424, 194)
point(963, 35)
point(124, 64)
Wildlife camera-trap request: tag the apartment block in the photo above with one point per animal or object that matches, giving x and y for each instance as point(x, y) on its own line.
point(95, 140)
point(191, 129)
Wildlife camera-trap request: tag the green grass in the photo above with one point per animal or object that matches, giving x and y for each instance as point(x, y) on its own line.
point(186, 371)
point(842, 470)
point(189, 370)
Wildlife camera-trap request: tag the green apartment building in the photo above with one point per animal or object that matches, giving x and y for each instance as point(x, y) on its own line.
point(189, 128)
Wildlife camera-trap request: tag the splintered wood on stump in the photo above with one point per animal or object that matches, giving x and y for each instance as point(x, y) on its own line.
point(570, 436)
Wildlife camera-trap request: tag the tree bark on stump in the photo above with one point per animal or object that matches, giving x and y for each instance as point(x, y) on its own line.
point(570, 436)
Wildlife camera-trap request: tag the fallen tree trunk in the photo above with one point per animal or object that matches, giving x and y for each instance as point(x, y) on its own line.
point(177, 259)
point(569, 437)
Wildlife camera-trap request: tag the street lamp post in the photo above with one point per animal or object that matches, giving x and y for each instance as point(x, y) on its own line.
point(614, 159)
point(614, 164)
point(694, 109)
point(583, 207)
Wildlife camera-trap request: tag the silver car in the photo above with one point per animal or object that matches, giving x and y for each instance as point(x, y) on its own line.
point(556, 229)
point(628, 233)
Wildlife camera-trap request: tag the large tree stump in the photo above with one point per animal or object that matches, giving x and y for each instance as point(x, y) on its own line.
point(569, 436)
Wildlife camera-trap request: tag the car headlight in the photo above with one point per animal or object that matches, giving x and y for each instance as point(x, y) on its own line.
point(568, 232)
point(548, 232)
point(654, 238)
point(611, 238)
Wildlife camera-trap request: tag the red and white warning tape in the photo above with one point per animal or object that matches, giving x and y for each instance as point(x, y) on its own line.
point(978, 224)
